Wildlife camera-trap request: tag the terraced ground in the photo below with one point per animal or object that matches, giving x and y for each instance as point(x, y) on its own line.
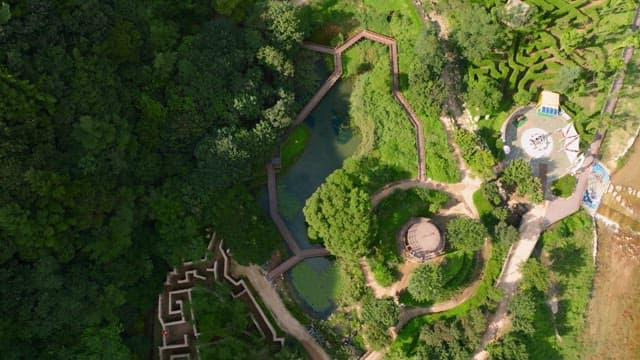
point(537, 56)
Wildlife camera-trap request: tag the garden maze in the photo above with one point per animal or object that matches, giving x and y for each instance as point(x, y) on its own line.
point(176, 317)
point(536, 57)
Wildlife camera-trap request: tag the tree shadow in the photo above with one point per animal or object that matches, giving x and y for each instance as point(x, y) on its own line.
point(566, 259)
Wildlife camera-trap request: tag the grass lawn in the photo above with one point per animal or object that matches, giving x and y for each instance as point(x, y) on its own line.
point(316, 288)
point(294, 146)
point(485, 209)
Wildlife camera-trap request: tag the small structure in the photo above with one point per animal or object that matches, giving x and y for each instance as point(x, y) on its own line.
point(421, 239)
point(549, 103)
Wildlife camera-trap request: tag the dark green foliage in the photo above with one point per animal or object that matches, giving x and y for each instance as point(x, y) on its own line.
point(518, 178)
point(476, 31)
point(426, 282)
point(455, 339)
point(509, 347)
point(338, 215)
point(5, 13)
point(564, 186)
point(466, 234)
point(522, 309)
point(127, 130)
point(505, 233)
point(382, 312)
point(483, 95)
point(475, 153)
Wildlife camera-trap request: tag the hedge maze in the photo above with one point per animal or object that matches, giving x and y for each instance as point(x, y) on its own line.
point(536, 53)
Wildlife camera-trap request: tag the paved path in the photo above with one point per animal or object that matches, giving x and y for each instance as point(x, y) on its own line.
point(556, 210)
point(531, 228)
point(283, 317)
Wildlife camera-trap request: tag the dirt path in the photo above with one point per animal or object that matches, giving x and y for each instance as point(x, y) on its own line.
point(283, 317)
point(380, 291)
point(410, 312)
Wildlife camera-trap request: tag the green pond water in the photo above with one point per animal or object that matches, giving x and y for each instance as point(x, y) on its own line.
point(331, 141)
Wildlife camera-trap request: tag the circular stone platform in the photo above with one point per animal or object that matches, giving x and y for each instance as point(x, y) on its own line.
point(536, 143)
point(420, 239)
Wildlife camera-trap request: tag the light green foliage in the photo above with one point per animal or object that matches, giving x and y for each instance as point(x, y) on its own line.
point(475, 153)
point(519, 178)
point(483, 95)
point(505, 233)
point(426, 282)
point(294, 146)
point(522, 310)
point(535, 275)
point(475, 30)
point(351, 286)
point(466, 234)
point(564, 186)
point(566, 78)
point(338, 215)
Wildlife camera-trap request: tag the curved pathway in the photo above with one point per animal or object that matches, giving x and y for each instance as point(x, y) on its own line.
point(283, 317)
point(298, 253)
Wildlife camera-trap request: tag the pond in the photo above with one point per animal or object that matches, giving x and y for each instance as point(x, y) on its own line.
point(331, 141)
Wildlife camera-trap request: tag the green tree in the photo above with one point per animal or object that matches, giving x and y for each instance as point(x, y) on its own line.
point(483, 95)
point(564, 186)
point(509, 347)
point(535, 275)
point(505, 233)
point(381, 312)
point(5, 13)
point(466, 234)
point(566, 78)
point(339, 215)
point(518, 177)
point(522, 309)
point(475, 31)
point(425, 283)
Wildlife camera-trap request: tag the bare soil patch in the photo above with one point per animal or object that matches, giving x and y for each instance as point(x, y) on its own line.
point(613, 328)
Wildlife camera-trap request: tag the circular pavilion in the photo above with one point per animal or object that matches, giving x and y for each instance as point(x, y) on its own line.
point(420, 240)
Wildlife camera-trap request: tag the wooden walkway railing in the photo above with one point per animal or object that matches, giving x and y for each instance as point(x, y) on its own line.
point(299, 254)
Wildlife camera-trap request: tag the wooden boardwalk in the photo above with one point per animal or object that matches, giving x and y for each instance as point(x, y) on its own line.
point(301, 254)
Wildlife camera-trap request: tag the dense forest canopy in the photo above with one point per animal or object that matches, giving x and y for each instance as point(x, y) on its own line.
point(127, 128)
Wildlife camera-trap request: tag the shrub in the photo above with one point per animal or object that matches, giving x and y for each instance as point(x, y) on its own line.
point(425, 283)
point(466, 234)
point(564, 186)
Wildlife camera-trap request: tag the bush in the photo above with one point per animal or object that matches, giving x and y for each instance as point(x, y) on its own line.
point(564, 186)
point(475, 153)
point(425, 283)
point(518, 177)
point(380, 312)
point(466, 234)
